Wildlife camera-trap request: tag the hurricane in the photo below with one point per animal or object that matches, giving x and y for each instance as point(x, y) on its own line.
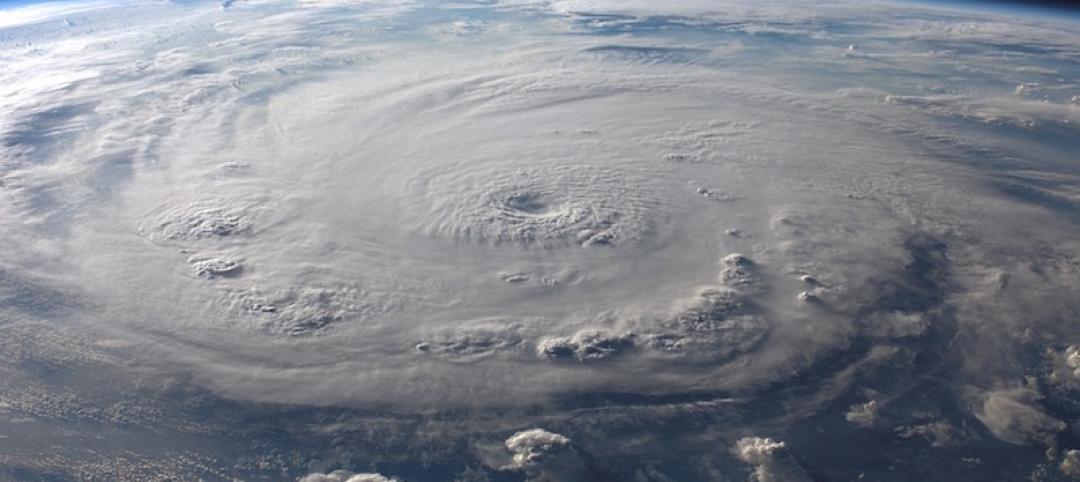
point(543, 240)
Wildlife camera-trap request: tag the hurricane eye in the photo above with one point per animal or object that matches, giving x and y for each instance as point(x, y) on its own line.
point(528, 203)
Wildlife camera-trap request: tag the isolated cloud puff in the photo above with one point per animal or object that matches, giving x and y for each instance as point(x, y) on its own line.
point(533, 447)
point(545, 455)
point(1070, 465)
point(771, 460)
point(863, 414)
point(1014, 415)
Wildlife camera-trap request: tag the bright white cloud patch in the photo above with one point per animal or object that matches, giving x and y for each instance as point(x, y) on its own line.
point(770, 459)
point(545, 455)
point(344, 476)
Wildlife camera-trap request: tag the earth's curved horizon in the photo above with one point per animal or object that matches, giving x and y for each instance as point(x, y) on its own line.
point(546, 240)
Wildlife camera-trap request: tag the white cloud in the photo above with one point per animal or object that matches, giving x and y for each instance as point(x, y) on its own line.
point(1065, 368)
point(1070, 463)
point(771, 460)
point(937, 433)
point(345, 476)
point(532, 448)
point(48, 11)
point(396, 220)
point(1014, 415)
point(863, 414)
point(586, 345)
point(544, 456)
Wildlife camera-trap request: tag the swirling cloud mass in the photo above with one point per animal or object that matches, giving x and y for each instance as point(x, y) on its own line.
point(538, 240)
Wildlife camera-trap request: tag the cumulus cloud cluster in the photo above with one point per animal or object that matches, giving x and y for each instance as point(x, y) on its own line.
point(771, 460)
point(1070, 463)
point(586, 345)
point(545, 456)
point(1066, 366)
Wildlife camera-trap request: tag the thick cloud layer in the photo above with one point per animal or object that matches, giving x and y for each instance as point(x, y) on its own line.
point(260, 239)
